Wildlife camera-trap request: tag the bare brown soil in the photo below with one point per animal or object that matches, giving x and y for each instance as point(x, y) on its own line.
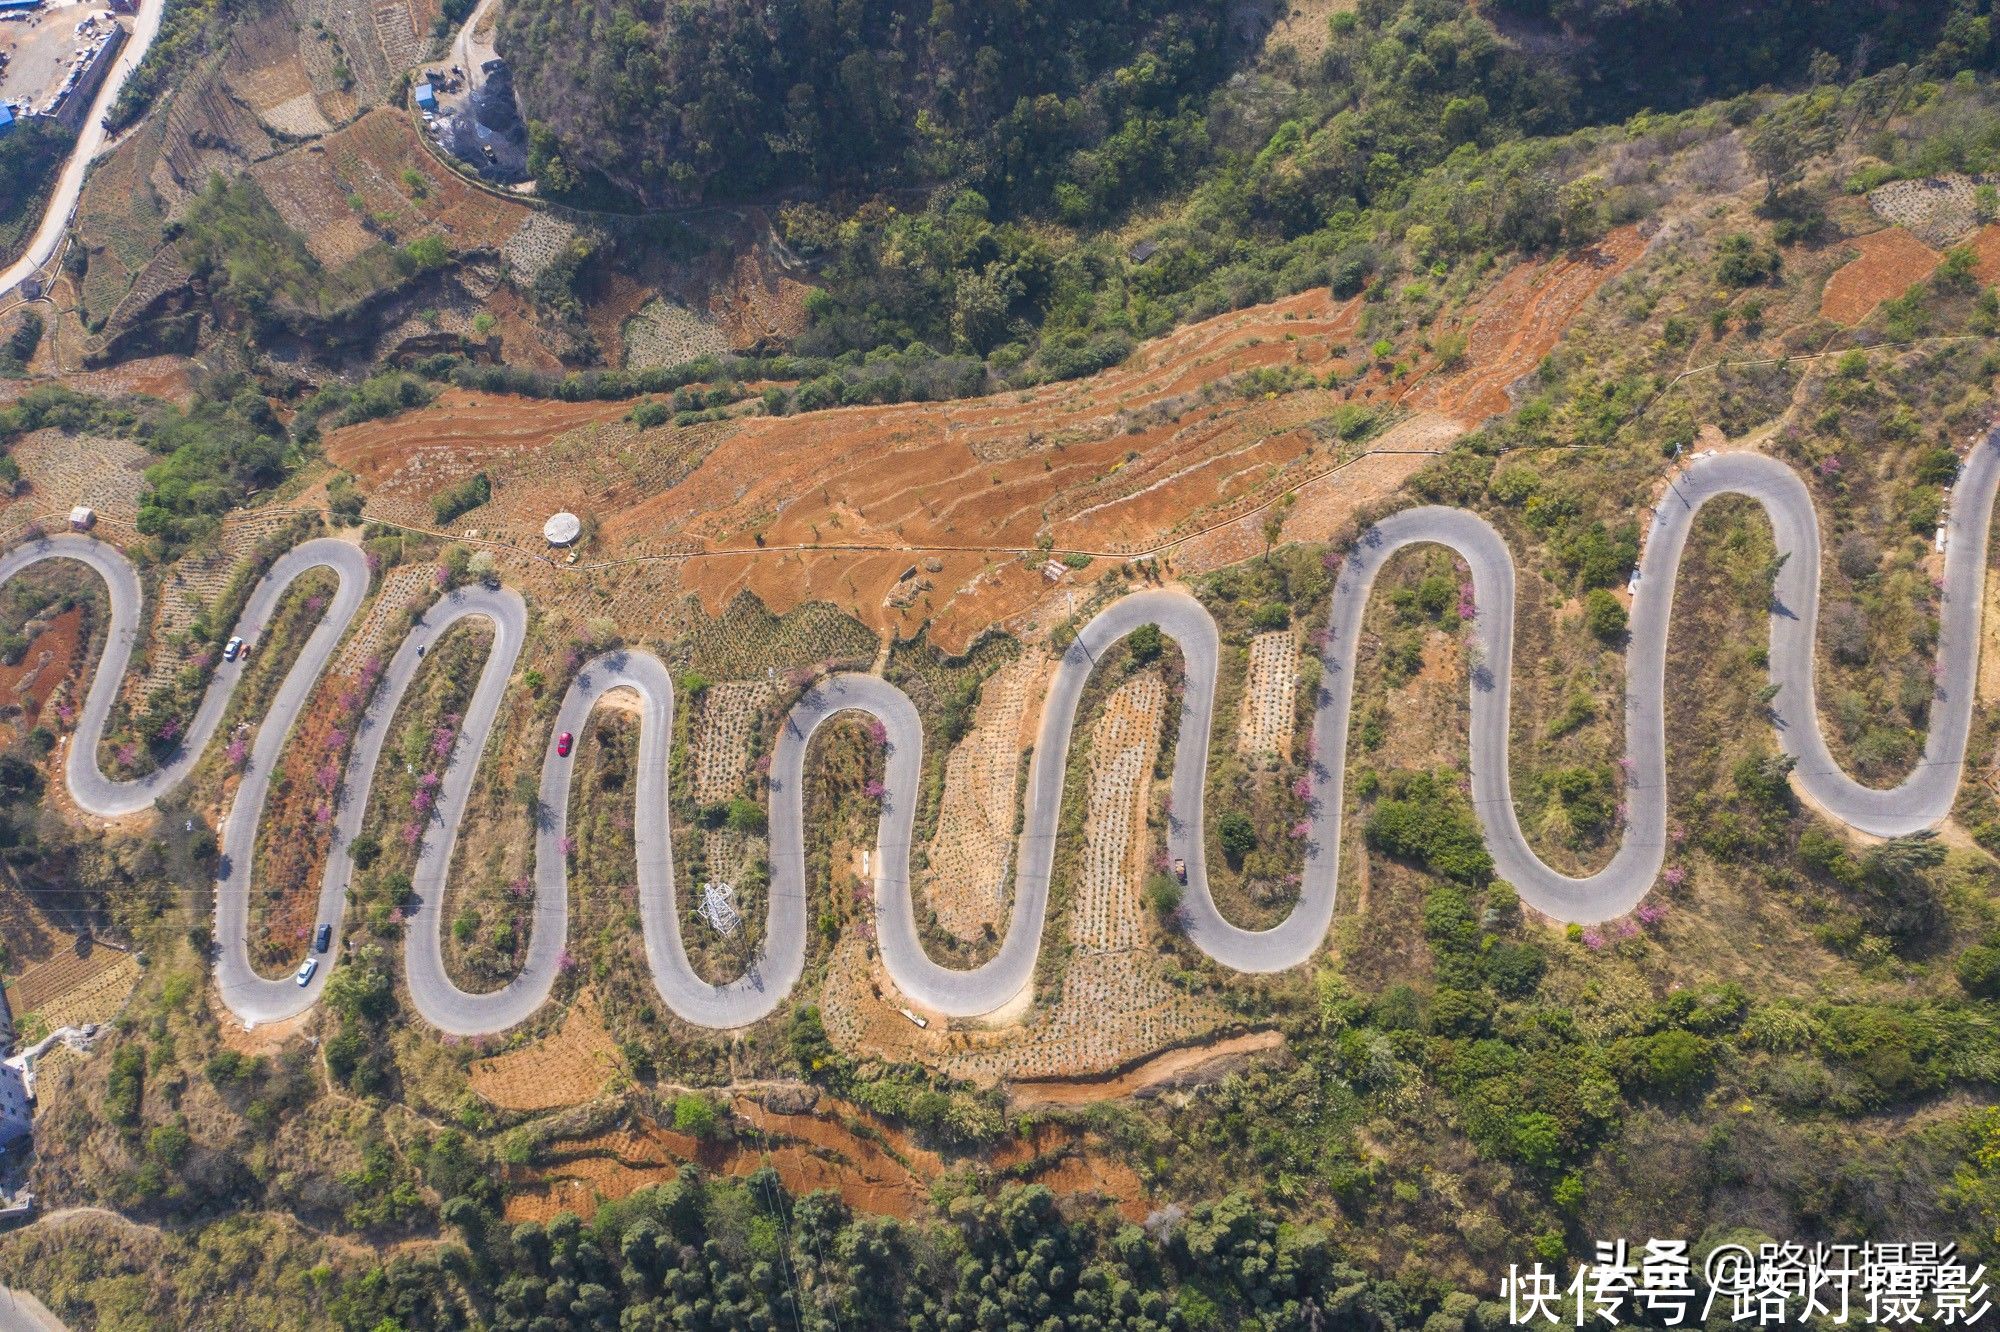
point(834, 505)
point(349, 191)
point(1985, 247)
point(1510, 329)
point(51, 659)
point(1891, 260)
point(569, 1067)
point(874, 1166)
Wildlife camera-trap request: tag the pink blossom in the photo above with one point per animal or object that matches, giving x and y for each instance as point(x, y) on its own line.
point(322, 814)
point(567, 845)
point(1829, 467)
point(396, 916)
point(520, 887)
point(564, 962)
point(1626, 929)
point(336, 739)
point(410, 833)
point(349, 700)
point(1301, 830)
point(1331, 561)
point(1652, 913)
point(1593, 940)
point(170, 730)
point(443, 578)
point(327, 776)
point(315, 604)
point(430, 781)
point(877, 731)
point(1675, 876)
point(237, 751)
point(874, 789)
point(422, 802)
point(374, 563)
point(1678, 834)
point(65, 713)
point(1302, 788)
point(762, 767)
point(127, 755)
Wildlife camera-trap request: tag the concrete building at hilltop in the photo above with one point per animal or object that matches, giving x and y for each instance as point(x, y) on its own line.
point(74, 104)
point(17, 1104)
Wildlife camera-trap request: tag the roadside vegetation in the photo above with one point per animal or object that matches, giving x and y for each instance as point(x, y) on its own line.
point(1795, 1032)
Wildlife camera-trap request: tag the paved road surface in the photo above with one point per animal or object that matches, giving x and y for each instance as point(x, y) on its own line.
point(1920, 802)
point(22, 1312)
point(90, 138)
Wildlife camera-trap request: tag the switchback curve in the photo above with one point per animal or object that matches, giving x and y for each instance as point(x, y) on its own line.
point(1919, 802)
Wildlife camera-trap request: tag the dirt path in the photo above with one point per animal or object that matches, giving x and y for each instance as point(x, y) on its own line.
point(1174, 1068)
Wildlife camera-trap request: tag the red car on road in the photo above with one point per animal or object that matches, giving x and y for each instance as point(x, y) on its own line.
point(563, 742)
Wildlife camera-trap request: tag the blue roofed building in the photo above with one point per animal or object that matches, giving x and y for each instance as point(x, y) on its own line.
point(426, 97)
point(6, 117)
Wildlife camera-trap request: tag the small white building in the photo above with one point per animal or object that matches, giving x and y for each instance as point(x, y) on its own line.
point(562, 528)
point(82, 518)
point(17, 1103)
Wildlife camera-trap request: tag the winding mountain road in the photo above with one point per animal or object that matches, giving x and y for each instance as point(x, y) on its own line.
point(1920, 802)
point(91, 140)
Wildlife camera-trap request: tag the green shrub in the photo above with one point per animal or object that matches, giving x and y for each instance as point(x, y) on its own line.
point(1979, 971)
point(1603, 615)
point(696, 1116)
point(1236, 834)
point(1743, 261)
point(1427, 820)
point(462, 498)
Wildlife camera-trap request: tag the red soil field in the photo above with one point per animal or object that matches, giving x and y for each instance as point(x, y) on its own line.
point(1125, 462)
point(1890, 261)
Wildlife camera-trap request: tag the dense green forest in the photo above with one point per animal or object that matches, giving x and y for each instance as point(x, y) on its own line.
point(681, 103)
point(742, 1254)
point(1082, 109)
point(991, 206)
